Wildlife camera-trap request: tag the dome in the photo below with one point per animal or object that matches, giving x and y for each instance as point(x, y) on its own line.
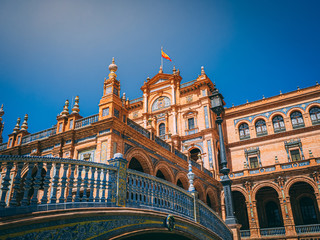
point(113, 67)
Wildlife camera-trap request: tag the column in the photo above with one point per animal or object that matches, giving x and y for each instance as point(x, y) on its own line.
point(252, 212)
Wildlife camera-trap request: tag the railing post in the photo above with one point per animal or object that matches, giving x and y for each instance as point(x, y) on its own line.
point(195, 206)
point(121, 163)
point(6, 184)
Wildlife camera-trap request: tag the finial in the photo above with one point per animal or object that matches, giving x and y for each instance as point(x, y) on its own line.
point(232, 105)
point(276, 159)
point(245, 165)
point(247, 101)
point(17, 127)
point(280, 92)
point(202, 71)
point(160, 71)
point(124, 96)
point(24, 125)
point(75, 108)
point(190, 177)
point(310, 153)
point(65, 111)
point(1, 111)
point(174, 69)
point(263, 97)
point(298, 88)
point(148, 79)
point(317, 83)
point(113, 68)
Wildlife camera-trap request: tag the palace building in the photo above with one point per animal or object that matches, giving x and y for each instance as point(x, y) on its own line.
point(272, 148)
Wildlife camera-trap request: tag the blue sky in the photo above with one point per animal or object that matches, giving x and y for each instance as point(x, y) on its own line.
point(51, 51)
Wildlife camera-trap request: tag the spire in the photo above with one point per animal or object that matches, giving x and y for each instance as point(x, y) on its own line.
point(24, 125)
point(75, 108)
point(113, 68)
point(65, 111)
point(17, 127)
point(202, 71)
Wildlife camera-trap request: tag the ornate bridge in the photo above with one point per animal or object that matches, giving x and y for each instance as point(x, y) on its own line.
point(46, 198)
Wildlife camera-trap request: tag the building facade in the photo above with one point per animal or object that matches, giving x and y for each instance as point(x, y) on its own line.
point(273, 148)
point(157, 133)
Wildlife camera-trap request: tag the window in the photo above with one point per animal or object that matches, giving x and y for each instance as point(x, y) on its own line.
point(10, 142)
point(308, 212)
point(244, 131)
point(315, 115)
point(60, 127)
point(116, 113)
point(261, 127)
point(295, 155)
point(191, 123)
point(162, 129)
point(19, 140)
point(71, 124)
point(124, 118)
point(273, 215)
point(105, 112)
point(254, 162)
point(296, 119)
point(278, 124)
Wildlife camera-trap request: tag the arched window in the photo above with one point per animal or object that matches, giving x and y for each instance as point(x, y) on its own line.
point(194, 154)
point(278, 124)
point(315, 115)
point(162, 129)
point(244, 131)
point(273, 215)
point(308, 212)
point(261, 128)
point(296, 119)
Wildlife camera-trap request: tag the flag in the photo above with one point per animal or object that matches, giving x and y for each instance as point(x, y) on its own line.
point(164, 55)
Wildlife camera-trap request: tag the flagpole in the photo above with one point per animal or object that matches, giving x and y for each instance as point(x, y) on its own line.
point(161, 58)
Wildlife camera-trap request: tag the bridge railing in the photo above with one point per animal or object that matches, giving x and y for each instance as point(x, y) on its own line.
point(144, 190)
point(31, 184)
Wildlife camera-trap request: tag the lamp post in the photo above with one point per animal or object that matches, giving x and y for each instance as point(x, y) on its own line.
point(217, 107)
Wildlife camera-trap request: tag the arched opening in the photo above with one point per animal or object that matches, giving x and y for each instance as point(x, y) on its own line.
point(304, 204)
point(194, 154)
point(268, 206)
point(179, 183)
point(135, 165)
point(240, 209)
point(162, 130)
point(209, 201)
point(261, 127)
point(160, 175)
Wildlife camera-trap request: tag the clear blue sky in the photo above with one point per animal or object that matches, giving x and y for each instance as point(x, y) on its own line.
point(51, 51)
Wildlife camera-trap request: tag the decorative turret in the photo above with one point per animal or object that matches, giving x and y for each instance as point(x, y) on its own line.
point(65, 111)
point(24, 125)
point(111, 104)
point(113, 68)
point(17, 127)
point(75, 108)
point(202, 71)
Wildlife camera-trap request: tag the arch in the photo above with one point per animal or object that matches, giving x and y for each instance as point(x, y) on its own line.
point(161, 129)
point(165, 170)
point(160, 94)
point(295, 109)
point(257, 187)
point(241, 190)
point(241, 122)
point(194, 153)
point(272, 115)
point(212, 195)
point(183, 179)
point(160, 103)
point(304, 204)
point(314, 113)
point(240, 209)
point(268, 207)
point(311, 105)
point(142, 157)
point(294, 180)
point(278, 123)
point(260, 117)
point(261, 126)
point(200, 189)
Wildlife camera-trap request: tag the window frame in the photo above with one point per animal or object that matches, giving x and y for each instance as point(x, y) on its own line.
point(315, 114)
point(263, 127)
point(280, 128)
point(297, 117)
point(246, 135)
